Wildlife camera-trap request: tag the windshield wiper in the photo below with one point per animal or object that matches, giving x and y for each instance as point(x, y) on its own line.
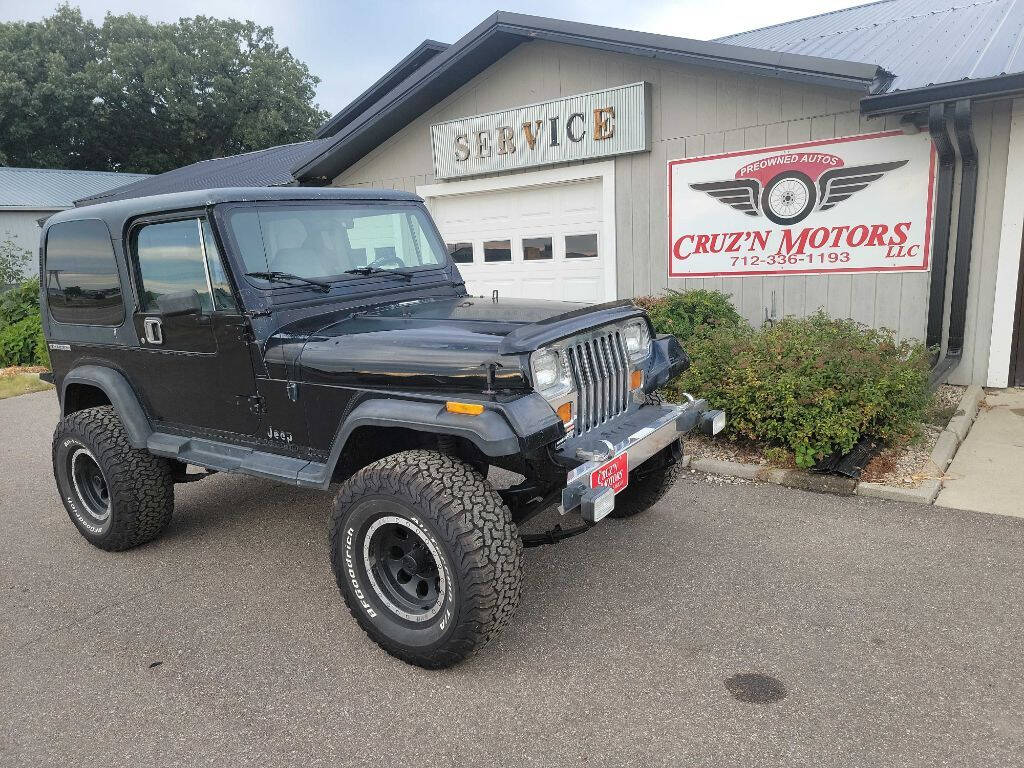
point(287, 277)
point(379, 271)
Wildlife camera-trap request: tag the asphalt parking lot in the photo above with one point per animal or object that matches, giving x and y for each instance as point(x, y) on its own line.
point(894, 632)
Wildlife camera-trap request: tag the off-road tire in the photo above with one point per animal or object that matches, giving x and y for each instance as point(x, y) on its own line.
point(643, 493)
point(139, 485)
point(453, 508)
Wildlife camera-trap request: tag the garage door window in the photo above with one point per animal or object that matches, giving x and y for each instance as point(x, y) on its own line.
point(581, 246)
point(537, 249)
point(461, 253)
point(497, 250)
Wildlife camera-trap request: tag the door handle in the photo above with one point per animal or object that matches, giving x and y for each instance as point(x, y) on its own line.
point(154, 330)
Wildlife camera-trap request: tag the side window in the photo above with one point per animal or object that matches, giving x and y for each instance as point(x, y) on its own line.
point(172, 261)
point(82, 285)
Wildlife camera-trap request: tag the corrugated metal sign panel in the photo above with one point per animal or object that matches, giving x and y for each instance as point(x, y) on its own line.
point(612, 121)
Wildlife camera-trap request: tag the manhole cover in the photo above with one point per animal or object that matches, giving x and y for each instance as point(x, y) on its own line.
point(753, 688)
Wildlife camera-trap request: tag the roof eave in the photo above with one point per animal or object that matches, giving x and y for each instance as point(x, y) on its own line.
point(915, 99)
point(416, 58)
point(504, 31)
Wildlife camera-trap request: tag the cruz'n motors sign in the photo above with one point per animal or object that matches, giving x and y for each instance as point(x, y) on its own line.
point(602, 123)
point(855, 204)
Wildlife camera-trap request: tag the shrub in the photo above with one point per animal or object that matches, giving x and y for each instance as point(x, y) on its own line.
point(21, 330)
point(22, 343)
point(684, 314)
point(812, 386)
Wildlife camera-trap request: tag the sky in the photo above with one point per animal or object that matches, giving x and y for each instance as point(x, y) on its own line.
point(348, 44)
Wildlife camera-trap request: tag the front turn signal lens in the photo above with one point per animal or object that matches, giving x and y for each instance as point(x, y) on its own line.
point(470, 409)
point(565, 412)
point(636, 379)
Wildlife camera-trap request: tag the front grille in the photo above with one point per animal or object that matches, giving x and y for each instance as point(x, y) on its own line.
point(600, 370)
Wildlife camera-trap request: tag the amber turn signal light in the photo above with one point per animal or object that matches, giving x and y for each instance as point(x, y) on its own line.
point(470, 409)
point(565, 412)
point(636, 379)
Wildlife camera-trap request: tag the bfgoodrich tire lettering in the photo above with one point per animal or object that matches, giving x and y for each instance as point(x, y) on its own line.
point(117, 496)
point(460, 556)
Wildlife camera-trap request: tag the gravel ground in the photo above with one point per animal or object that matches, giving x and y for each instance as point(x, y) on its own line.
point(906, 465)
point(732, 625)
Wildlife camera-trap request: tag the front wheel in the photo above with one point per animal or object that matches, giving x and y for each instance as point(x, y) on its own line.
point(426, 556)
point(643, 492)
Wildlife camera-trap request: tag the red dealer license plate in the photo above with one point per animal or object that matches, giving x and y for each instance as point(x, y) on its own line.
point(614, 474)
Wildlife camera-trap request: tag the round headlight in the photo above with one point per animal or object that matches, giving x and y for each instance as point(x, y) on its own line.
point(638, 340)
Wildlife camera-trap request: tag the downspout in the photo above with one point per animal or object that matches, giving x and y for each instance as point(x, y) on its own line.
point(963, 131)
point(943, 216)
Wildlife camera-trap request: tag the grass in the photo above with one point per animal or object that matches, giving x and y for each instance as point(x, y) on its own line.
point(20, 384)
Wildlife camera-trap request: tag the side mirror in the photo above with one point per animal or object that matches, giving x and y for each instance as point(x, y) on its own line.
point(176, 304)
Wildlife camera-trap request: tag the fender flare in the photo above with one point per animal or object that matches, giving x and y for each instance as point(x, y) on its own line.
point(489, 431)
point(120, 394)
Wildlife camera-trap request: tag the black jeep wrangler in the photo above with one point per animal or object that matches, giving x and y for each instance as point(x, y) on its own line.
point(324, 336)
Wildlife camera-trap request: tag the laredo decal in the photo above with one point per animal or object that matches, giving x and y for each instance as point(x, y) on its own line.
point(857, 204)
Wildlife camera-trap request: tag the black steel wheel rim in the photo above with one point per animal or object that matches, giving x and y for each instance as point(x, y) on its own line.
point(90, 485)
point(404, 569)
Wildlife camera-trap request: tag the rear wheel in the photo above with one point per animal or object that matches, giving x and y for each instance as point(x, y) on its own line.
point(426, 556)
point(646, 490)
point(117, 496)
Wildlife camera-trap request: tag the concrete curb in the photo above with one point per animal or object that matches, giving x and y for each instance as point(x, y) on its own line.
point(923, 494)
point(942, 454)
point(791, 478)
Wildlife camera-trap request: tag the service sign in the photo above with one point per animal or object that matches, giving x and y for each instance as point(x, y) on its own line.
point(586, 126)
point(855, 204)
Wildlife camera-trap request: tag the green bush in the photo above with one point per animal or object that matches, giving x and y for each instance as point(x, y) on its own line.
point(21, 330)
point(812, 386)
point(683, 314)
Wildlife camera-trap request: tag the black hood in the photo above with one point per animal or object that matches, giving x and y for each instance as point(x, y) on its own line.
point(430, 343)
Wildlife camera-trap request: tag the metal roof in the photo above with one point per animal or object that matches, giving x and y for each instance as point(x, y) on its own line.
point(117, 212)
point(263, 168)
point(445, 72)
point(922, 42)
point(51, 189)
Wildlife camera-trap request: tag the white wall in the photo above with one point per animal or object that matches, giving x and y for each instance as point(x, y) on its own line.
point(21, 228)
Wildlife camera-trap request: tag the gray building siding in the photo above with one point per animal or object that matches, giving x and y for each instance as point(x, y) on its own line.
point(700, 111)
point(21, 228)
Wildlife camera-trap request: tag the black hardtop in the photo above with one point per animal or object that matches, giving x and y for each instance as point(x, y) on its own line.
point(116, 213)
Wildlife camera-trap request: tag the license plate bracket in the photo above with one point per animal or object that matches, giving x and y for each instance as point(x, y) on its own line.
point(612, 474)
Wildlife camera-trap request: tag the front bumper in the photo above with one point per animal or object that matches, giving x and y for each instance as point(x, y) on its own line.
point(639, 435)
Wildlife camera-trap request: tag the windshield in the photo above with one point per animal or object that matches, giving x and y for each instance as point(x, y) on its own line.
point(326, 240)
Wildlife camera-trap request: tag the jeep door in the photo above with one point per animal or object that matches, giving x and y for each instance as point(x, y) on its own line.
point(194, 366)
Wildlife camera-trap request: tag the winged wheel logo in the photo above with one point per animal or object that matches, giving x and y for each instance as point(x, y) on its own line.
point(787, 188)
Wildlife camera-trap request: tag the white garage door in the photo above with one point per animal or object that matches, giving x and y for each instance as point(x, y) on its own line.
point(531, 242)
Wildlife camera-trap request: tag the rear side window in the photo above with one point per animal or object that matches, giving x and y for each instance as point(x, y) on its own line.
point(82, 285)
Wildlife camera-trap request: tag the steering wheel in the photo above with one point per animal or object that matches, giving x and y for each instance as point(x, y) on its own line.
point(388, 258)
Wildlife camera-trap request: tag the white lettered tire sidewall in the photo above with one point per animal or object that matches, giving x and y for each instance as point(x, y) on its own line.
point(360, 585)
point(70, 495)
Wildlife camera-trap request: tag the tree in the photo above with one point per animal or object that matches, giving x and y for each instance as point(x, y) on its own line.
point(133, 95)
point(12, 257)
